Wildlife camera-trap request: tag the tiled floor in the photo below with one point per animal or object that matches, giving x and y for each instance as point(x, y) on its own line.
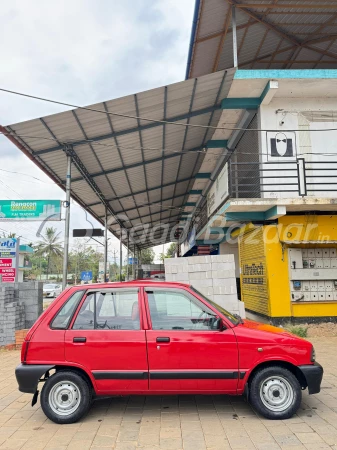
point(187, 422)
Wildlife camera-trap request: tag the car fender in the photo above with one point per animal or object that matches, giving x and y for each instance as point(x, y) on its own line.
point(243, 385)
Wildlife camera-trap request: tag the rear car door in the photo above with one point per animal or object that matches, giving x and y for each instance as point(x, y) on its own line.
point(186, 350)
point(107, 338)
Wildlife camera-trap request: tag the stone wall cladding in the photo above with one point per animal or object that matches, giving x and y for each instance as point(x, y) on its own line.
point(20, 305)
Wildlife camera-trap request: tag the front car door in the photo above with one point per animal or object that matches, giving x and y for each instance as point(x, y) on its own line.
point(186, 350)
point(107, 337)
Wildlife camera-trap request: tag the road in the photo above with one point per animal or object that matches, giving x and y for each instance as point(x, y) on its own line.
point(185, 422)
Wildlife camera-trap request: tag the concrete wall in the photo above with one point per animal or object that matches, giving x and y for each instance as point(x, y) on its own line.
point(213, 276)
point(20, 305)
point(305, 114)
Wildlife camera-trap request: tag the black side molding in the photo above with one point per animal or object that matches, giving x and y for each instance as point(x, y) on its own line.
point(195, 375)
point(106, 375)
point(102, 375)
point(313, 374)
point(28, 376)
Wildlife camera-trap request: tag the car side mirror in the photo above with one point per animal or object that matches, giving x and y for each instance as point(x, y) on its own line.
point(220, 326)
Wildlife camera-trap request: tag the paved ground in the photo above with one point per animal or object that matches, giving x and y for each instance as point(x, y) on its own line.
point(187, 422)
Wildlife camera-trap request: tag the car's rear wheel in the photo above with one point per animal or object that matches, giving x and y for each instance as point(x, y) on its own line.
point(66, 397)
point(275, 393)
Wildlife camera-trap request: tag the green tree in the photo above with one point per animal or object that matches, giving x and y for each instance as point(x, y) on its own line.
point(146, 256)
point(162, 256)
point(50, 247)
point(39, 266)
point(8, 235)
point(84, 258)
point(171, 251)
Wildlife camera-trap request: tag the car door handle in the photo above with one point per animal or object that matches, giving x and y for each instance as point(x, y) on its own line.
point(80, 339)
point(163, 339)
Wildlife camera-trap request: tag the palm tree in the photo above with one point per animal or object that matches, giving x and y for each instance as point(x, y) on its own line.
point(8, 235)
point(50, 246)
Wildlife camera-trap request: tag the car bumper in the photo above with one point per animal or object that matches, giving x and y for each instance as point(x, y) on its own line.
point(28, 376)
point(313, 374)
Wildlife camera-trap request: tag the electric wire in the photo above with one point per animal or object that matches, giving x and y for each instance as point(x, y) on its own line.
point(159, 149)
point(147, 119)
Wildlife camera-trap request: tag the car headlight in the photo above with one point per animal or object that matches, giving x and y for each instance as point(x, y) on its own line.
point(313, 355)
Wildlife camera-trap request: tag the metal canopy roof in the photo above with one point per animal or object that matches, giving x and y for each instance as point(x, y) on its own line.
point(141, 171)
point(276, 34)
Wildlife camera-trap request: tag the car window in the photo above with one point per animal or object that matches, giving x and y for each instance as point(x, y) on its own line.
point(175, 310)
point(63, 317)
point(226, 313)
point(115, 310)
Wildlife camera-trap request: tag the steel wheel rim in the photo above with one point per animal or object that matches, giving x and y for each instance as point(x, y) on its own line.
point(64, 398)
point(276, 393)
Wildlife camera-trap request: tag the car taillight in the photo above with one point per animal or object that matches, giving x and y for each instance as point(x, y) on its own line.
point(24, 351)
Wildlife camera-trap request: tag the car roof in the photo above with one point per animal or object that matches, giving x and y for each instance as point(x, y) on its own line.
point(134, 283)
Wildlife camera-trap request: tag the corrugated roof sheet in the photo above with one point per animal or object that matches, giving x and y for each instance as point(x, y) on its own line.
point(141, 171)
point(262, 34)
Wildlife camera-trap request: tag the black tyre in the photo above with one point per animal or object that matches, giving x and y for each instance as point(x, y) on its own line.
point(66, 397)
point(275, 393)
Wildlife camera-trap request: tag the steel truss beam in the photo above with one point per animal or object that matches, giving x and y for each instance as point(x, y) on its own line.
point(87, 177)
point(198, 112)
point(132, 166)
point(150, 204)
point(183, 180)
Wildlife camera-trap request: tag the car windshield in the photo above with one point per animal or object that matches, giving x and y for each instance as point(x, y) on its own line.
point(235, 320)
point(49, 286)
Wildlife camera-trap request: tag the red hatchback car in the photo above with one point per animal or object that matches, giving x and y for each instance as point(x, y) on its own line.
point(157, 338)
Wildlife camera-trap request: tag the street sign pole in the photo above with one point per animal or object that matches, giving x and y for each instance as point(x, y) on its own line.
point(67, 224)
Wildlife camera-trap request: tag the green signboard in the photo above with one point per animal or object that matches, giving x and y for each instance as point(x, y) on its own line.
point(30, 210)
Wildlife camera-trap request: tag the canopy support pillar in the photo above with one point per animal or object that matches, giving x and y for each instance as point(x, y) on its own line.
point(120, 254)
point(105, 244)
point(127, 258)
point(235, 43)
point(67, 222)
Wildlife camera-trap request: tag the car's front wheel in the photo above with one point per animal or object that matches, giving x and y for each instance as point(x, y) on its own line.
point(275, 393)
point(66, 397)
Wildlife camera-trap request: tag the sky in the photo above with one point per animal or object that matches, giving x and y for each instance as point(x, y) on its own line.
point(80, 52)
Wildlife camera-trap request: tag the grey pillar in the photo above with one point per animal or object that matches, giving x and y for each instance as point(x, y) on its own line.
point(127, 258)
point(67, 224)
point(235, 44)
point(120, 254)
point(133, 262)
point(105, 244)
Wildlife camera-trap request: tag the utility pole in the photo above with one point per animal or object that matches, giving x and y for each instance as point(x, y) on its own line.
point(114, 256)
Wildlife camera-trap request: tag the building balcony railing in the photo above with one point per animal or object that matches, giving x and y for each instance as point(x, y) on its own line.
point(286, 179)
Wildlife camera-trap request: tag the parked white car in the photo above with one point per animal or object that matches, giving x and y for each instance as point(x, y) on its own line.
point(52, 290)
